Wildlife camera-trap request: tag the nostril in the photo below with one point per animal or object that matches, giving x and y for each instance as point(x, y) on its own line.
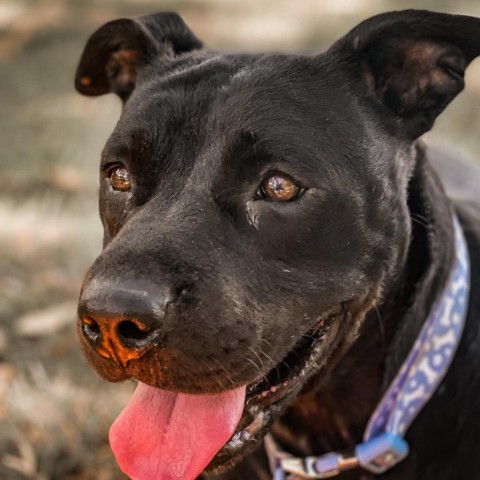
point(90, 328)
point(131, 334)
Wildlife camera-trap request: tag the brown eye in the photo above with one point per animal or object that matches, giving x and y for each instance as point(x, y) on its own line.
point(280, 187)
point(120, 178)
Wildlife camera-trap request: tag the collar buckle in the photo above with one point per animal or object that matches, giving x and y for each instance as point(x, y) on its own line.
point(382, 452)
point(324, 466)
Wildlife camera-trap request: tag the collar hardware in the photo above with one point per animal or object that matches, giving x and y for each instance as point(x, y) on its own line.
point(376, 455)
point(325, 466)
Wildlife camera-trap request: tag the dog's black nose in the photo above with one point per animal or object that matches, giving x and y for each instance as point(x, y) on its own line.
point(120, 324)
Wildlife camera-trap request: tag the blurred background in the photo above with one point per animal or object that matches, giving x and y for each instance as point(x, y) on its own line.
point(54, 412)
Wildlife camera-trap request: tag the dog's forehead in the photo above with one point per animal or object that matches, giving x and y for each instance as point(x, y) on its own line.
point(246, 88)
point(203, 108)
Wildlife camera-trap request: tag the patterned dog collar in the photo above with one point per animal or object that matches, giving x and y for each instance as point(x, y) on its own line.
point(417, 380)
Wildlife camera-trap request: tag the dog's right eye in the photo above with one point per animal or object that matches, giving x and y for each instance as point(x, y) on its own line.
point(120, 178)
point(279, 187)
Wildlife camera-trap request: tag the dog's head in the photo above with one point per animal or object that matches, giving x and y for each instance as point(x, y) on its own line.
point(254, 206)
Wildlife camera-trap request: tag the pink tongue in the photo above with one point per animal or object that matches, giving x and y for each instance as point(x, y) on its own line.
point(163, 435)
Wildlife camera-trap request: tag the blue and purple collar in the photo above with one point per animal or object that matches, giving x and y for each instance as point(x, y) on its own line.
point(425, 367)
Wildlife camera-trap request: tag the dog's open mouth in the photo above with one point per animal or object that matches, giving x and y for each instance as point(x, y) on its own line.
point(164, 435)
point(265, 397)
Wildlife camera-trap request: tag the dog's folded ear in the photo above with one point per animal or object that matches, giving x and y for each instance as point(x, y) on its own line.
point(413, 61)
point(114, 54)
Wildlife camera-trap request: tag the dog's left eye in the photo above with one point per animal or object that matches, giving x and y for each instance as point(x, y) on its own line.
point(279, 187)
point(120, 178)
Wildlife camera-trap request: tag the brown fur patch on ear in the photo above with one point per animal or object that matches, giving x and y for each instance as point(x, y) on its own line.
point(415, 79)
point(115, 53)
point(419, 69)
point(85, 81)
point(122, 70)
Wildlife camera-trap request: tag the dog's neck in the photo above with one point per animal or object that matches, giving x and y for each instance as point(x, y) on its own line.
point(334, 415)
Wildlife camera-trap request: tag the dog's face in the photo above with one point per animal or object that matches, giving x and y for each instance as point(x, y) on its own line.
point(255, 207)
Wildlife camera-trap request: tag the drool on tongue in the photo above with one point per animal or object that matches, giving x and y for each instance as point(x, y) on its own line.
point(164, 435)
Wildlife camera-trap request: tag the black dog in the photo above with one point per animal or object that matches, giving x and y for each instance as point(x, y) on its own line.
point(275, 239)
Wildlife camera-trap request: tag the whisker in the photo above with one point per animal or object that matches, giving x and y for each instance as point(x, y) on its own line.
point(419, 219)
point(257, 356)
point(223, 368)
point(259, 371)
point(381, 326)
point(268, 357)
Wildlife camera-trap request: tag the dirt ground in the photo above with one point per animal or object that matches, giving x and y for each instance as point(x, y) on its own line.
point(54, 412)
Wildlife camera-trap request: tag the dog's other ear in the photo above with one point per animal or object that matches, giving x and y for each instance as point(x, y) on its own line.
point(114, 54)
point(413, 61)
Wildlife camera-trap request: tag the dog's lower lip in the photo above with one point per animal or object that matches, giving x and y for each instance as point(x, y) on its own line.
point(262, 395)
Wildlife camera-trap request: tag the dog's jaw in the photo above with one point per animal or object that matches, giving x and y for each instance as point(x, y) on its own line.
point(336, 334)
